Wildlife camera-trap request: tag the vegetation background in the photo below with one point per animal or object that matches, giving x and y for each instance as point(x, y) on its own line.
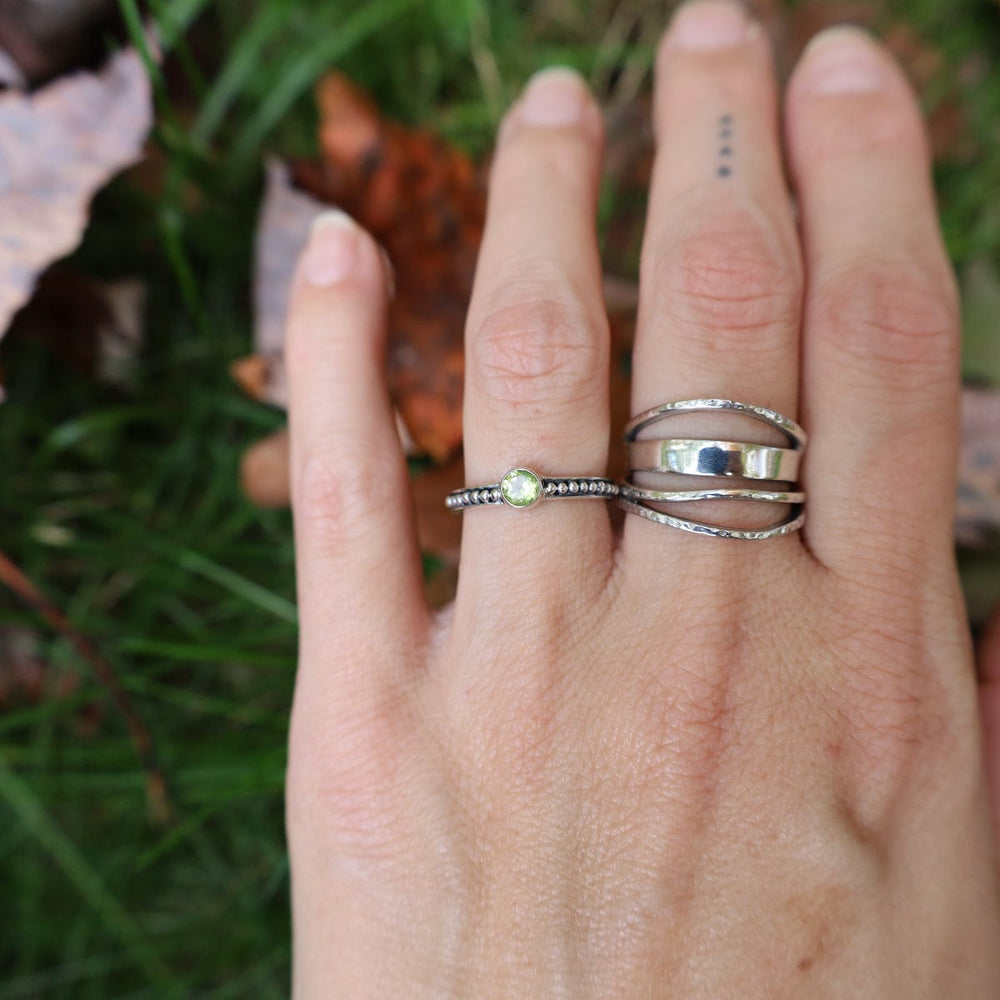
point(125, 507)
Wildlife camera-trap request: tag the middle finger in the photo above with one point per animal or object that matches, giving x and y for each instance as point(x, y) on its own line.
point(721, 273)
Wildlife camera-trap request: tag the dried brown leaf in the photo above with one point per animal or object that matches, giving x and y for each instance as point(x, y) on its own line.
point(58, 146)
point(95, 326)
point(978, 513)
point(282, 231)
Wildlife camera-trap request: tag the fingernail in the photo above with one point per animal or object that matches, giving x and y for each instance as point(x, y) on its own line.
point(843, 60)
point(554, 96)
point(332, 249)
point(703, 25)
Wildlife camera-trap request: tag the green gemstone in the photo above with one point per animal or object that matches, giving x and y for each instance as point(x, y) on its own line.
point(521, 488)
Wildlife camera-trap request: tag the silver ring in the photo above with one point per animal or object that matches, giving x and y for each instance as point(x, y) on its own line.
point(522, 488)
point(688, 456)
point(794, 521)
point(630, 491)
point(795, 434)
point(714, 458)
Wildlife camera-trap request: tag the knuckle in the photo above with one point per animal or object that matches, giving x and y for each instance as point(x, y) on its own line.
point(891, 320)
point(691, 714)
point(896, 717)
point(334, 497)
point(537, 346)
point(732, 276)
point(344, 777)
point(889, 705)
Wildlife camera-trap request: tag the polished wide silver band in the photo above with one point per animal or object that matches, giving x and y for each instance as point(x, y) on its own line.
point(522, 488)
point(714, 458)
point(688, 456)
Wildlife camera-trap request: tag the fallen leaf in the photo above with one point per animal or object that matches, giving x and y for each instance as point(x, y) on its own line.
point(977, 519)
point(58, 146)
point(95, 326)
point(10, 73)
point(425, 202)
point(46, 38)
point(439, 529)
point(282, 230)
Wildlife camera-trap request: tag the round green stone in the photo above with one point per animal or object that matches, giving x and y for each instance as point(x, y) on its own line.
point(521, 488)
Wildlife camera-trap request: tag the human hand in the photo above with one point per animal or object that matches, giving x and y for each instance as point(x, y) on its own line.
point(655, 764)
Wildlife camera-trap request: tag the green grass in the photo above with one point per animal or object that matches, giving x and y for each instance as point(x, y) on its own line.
point(124, 505)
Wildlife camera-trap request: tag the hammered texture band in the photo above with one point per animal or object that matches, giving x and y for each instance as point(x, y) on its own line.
point(778, 467)
point(521, 488)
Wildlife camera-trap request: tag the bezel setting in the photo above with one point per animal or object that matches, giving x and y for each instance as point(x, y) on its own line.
point(512, 484)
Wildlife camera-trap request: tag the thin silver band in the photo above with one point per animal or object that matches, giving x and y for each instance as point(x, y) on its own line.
point(630, 491)
point(795, 434)
point(534, 488)
point(793, 522)
point(693, 457)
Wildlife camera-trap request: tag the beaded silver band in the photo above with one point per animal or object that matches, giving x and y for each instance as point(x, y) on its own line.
point(521, 488)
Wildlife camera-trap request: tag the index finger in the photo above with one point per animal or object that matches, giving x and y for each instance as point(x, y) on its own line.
point(357, 561)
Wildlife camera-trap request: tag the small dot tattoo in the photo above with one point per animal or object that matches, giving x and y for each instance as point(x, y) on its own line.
point(725, 133)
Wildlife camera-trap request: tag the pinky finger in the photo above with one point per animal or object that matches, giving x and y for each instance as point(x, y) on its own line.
point(358, 564)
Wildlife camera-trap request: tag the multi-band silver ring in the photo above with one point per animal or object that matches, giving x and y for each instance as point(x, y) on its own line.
point(521, 488)
point(687, 456)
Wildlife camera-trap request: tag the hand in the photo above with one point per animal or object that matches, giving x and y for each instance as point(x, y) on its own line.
point(656, 764)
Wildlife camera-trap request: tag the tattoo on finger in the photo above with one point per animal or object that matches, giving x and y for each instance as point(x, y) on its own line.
point(724, 167)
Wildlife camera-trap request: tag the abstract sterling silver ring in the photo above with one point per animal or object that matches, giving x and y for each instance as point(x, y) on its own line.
point(778, 468)
point(523, 488)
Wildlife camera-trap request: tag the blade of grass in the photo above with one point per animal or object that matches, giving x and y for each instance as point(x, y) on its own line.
point(302, 73)
point(46, 832)
point(139, 38)
point(243, 62)
point(61, 977)
point(252, 593)
point(201, 653)
point(175, 17)
point(156, 787)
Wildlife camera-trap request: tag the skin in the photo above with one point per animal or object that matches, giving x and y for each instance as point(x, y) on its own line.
point(650, 763)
